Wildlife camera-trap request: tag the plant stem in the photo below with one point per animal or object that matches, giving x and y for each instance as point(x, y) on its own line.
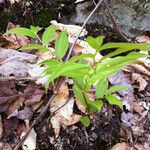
point(43, 112)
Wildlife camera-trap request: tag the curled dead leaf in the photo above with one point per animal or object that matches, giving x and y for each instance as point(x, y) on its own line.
point(120, 146)
point(62, 107)
point(142, 82)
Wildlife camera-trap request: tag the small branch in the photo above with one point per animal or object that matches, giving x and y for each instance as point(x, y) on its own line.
point(74, 44)
point(114, 22)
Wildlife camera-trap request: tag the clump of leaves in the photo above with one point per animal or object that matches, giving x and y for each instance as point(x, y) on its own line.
point(83, 74)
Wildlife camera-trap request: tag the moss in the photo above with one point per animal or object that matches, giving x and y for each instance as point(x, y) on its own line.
point(43, 18)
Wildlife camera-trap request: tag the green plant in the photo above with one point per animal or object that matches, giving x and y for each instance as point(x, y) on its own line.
point(84, 75)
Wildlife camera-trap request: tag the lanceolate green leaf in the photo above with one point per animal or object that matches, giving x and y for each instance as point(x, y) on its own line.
point(50, 63)
point(22, 31)
point(63, 69)
point(101, 88)
point(132, 57)
point(35, 46)
point(103, 75)
point(69, 68)
point(77, 58)
point(95, 42)
point(48, 35)
point(95, 105)
point(144, 47)
point(35, 29)
point(79, 95)
point(114, 101)
point(114, 89)
point(76, 74)
point(116, 52)
point(80, 82)
point(85, 121)
point(61, 44)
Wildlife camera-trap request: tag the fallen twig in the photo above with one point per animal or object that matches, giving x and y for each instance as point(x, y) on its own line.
point(58, 85)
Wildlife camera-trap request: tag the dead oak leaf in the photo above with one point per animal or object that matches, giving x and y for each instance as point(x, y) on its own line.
point(62, 107)
point(120, 146)
point(33, 95)
point(15, 63)
point(142, 82)
point(6, 43)
point(8, 94)
point(143, 39)
point(18, 40)
point(61, 98)
point(137, 108)
point(15, 105)
point(120, 79)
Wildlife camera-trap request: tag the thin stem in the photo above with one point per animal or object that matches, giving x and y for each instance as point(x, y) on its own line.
point(85, 22)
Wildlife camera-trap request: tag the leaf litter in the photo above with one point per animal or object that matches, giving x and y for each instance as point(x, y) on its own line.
point(21, 105)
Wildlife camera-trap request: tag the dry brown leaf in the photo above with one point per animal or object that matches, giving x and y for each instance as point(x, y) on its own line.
point(57, 121)
point(6, 43)
point(61, 98)
point(33, 95)
point(15, 105)
point(139, 147)
point(24, 114)
point(142, 82)
point(72, 30)
point(63, 108)
point(137, 108)
point(8, 94)
point(120, 146)
point(143, 39)
point(16, 39)
point(5, 146)
point(1, 127)
point(15, 63)
point(9, 126)
point(120, 79)
point(141, 67)
point(80, 106)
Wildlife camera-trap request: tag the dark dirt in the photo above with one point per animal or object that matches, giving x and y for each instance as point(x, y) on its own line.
point(102, 134)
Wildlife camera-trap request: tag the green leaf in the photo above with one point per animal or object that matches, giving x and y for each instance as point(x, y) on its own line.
point(35, 46)
point(61, 44)
point(95, 105)
point(50, 63)
point(48, 35)
point(101, 88)
point(77, 58)
point(120, 60)
point(80, 82)
point(35, 29)
point(76, 74)
point(144, 47)
point(114, 89)
point(95, 42)
point(103, 75)
point(79, 95)
point(114, 101)
point(116, 52)
point(22, 31)
point(64, 68)
point(85, 121)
